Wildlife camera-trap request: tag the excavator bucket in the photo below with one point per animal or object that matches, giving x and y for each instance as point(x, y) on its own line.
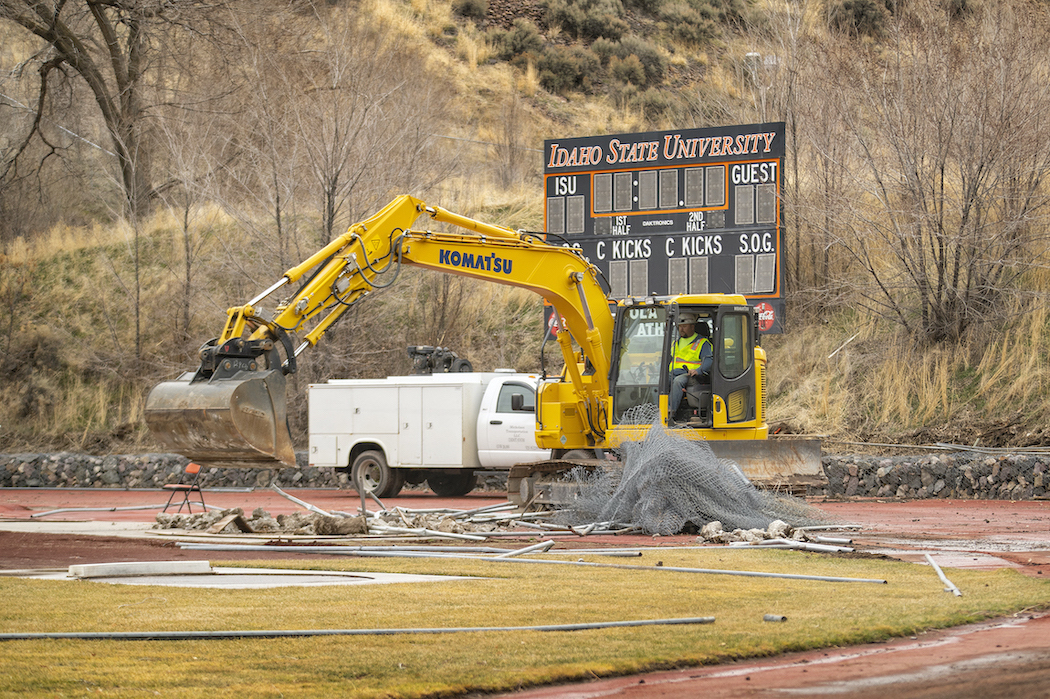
point(231, 422)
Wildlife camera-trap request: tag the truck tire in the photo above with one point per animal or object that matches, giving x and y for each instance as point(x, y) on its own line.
point(451, 485)
point(371, 470)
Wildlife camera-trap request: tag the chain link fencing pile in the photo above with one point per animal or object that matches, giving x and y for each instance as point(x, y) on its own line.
point(665, 483)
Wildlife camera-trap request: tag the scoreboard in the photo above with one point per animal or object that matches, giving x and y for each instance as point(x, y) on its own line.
point(689, 211)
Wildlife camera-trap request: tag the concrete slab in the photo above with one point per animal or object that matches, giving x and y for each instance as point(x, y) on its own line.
point(82, 528)
point(135, 568)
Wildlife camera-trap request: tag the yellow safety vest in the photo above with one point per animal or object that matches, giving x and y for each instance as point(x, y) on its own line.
point(687, 352)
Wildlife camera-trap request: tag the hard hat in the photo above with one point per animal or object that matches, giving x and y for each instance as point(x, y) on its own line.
point(687, 318)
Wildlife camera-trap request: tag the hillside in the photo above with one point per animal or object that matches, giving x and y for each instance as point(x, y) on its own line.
point(915, 201)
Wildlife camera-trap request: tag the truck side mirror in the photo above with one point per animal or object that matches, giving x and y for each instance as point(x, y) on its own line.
point(517, 403)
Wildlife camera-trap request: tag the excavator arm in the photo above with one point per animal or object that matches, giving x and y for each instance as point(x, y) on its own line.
point(232, 411)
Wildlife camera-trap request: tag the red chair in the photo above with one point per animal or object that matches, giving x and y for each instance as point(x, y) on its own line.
point(187, 488)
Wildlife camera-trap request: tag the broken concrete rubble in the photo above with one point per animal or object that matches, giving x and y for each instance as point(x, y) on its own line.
point(399, 522)
point(713, 533)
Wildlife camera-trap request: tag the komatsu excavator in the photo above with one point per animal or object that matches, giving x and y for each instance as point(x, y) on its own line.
point(232, 411)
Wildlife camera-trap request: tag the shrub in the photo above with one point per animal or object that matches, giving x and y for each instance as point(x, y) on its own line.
point(565, 14)
point(724, 11)
point(473, 9)
point(858, 17)
point(595, 26)
point(589, 65)
point(686, 23)
point(604, 49)
point(588, 19)
point(627, 70)
point(653, 103)
point(650, 6)
point(521, 39)
point(557, 70)
point(958, 8)
point(562, 69)
point(652, 60)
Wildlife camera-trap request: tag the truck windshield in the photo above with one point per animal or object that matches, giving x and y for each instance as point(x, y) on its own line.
point(638, 370)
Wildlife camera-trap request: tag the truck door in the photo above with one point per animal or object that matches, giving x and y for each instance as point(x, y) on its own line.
point(410, 426)
point(507, 436)
point(442, 426)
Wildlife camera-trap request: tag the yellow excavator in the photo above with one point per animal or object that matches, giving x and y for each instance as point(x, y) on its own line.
point(232, 411)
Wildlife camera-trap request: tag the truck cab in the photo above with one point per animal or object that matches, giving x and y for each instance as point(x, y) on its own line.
point(506, 425)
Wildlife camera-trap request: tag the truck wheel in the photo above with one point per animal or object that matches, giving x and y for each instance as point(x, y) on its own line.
point(370, 469)
point(451, 485)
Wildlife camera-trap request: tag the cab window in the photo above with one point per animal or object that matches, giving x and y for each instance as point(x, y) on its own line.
point(528, 395)
point(641, 346)
point(641, 360)
point(734, 359)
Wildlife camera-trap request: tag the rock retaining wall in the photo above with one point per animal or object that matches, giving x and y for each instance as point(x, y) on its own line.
point(68, 470)
point(963, 475)
point(960, 475)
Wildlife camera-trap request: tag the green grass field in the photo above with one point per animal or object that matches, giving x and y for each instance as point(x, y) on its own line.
point(819, 614)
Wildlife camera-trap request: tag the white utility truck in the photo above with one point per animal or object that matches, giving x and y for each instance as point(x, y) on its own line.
point(441, 428)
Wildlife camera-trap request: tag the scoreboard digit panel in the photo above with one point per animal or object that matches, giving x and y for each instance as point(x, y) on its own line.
point(674, 212)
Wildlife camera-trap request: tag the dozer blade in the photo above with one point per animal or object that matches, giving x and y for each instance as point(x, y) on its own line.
point(233, 423)
point(781, 463)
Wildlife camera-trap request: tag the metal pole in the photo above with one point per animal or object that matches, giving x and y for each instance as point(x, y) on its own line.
point(541, 547)
point(208, 635)
point(96, 509)
point(297, 501)
point(949, 586)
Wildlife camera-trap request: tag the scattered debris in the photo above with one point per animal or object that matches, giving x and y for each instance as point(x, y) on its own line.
point(778, 534)
point(505, 519)
point(236, 519)
point(473, 525)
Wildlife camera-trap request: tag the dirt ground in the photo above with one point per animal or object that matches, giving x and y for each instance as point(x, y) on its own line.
point(998, 659)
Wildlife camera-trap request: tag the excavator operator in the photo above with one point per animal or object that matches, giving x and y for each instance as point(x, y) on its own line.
point(693, 356)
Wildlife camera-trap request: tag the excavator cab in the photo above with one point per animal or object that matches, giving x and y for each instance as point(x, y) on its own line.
point(728, 397)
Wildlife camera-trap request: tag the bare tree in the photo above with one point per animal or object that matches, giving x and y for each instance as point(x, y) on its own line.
point(190, 150)
point(364, 118)
point(948, 122)
point(258, 166)
point(512, 158)
point(107, 45)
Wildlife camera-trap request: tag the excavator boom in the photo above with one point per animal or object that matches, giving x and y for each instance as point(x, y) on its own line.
point(232, 411)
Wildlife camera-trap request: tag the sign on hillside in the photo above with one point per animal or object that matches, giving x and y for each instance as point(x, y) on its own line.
point(688, 211)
